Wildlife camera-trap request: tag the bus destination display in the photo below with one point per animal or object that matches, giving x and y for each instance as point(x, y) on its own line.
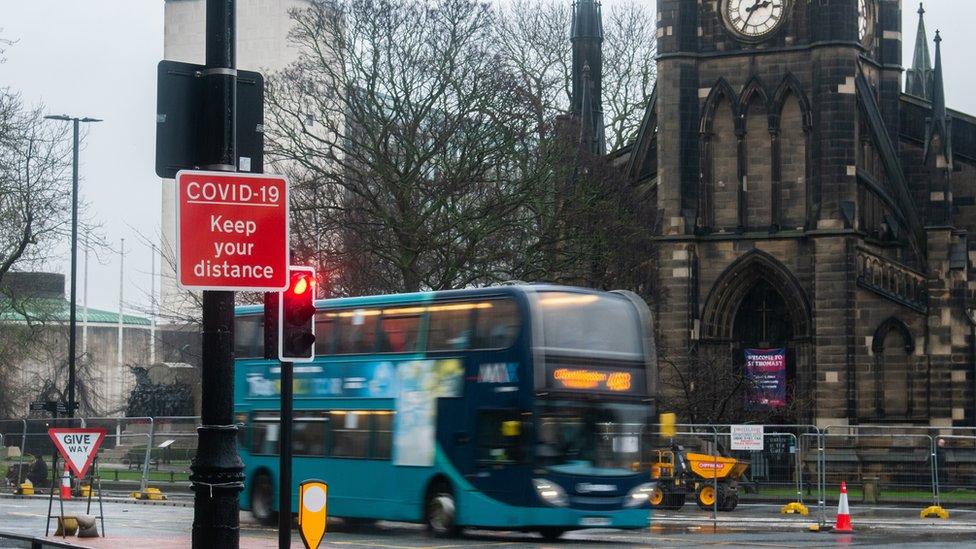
point(593, 379)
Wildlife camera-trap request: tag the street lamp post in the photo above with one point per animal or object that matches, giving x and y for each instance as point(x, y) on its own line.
point(72, 322)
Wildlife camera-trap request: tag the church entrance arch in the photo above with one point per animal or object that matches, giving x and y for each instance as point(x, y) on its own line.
point(758, 304)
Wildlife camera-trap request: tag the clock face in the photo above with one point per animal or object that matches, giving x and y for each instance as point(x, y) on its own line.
point(863, 19)
point(754, 18)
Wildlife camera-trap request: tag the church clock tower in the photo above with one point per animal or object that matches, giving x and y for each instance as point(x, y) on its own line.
point(773, 142)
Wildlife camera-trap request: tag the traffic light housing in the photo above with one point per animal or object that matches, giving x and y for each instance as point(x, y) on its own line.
point(296, 317)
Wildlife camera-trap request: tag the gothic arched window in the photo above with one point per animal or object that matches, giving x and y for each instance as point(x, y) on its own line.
point(723, 187)
point(758, 159)
point(792, 165)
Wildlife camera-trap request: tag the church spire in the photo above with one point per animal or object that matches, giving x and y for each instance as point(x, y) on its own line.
point(938, 88)
point(587, 99)
point(939, 131)
point(917, 78)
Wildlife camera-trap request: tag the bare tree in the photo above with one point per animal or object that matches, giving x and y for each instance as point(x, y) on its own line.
point(630, 69)
point(533, 37)
point(397, 125)
point(420, 138)
point(35, 193)
point(709, 387)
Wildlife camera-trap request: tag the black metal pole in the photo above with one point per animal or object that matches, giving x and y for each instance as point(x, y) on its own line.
point(284, 466)
point(72, 316)
point(217, 470)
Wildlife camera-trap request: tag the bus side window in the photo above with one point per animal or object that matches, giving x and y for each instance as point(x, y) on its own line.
point(264, 434)
point(497, 326)
point(357, 331)
point(450, 328)
point(310, 432)
point(398, 333)
point(350, 434)
point(249, 336)
point(499, 436)
point(324, 333)
point(382, 435)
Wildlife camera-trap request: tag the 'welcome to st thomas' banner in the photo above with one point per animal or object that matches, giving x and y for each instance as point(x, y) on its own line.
point(766, 374)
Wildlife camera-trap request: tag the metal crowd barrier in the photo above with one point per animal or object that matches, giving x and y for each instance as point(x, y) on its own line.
point(923, 464)
point(123, 432)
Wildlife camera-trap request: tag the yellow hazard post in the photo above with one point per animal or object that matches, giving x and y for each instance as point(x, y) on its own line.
point(934, 511)
point(313, 496)
point(794, 508)
point(668, 421)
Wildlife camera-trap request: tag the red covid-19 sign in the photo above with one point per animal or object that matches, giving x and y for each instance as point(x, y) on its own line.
point(232, 231)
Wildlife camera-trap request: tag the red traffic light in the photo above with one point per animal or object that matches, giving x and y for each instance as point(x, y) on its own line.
point(296, 317)
point(301, 283)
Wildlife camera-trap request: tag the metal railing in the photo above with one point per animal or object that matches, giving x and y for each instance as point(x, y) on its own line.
point(904, 464)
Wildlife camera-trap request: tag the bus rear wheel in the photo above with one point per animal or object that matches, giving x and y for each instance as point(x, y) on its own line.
point(262, 500)
point(551, 534)
point(440, 511)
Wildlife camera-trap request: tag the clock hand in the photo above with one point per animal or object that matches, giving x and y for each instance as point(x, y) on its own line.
point(753, 9)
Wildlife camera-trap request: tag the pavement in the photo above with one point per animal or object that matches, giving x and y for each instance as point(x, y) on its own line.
point(133, 525)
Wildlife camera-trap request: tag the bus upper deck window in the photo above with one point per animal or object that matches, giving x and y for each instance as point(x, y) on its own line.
point(450, 327)
point(497, 325)
point(249, 336)
point(357, 331)
point(324, 333)
point(398, 331)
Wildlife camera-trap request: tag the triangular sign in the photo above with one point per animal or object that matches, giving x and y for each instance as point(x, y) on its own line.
point(77, 446)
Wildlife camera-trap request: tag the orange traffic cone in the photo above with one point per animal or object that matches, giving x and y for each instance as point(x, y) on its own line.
point(65, 485)
point(843, 524)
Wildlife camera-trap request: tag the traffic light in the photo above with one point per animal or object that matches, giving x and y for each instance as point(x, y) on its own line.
point(296, 317)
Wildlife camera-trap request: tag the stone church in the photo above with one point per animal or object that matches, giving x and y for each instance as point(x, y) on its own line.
point(812, 195)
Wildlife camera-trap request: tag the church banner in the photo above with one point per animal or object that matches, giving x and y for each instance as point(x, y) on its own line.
point(766, 374)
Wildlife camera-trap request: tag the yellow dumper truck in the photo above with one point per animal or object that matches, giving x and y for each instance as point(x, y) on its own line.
point(710, 478)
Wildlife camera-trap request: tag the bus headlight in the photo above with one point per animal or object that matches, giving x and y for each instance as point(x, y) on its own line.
point(640, 495)
point(550, 492)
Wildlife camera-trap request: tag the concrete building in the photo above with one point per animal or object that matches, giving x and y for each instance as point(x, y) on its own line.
point(40, 300)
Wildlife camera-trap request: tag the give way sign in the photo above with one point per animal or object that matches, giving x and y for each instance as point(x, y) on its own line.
point(231, 231)
point(77, 446)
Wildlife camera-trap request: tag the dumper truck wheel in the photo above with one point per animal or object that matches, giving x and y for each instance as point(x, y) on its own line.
point(706, 496)
point(728, 497)
point(657, 498)
point(675, 502)
point(664, 498)
point(733, 502)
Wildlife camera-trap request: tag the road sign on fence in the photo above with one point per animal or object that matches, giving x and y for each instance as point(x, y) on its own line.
point(77, 446)
point(231, 231)
point(747, 437)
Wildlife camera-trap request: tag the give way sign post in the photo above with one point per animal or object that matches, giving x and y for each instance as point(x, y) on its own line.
point(231, 231)
point(77, 446)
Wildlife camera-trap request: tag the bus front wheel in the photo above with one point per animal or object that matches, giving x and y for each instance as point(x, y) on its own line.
point(440, 513)
point(262, 500)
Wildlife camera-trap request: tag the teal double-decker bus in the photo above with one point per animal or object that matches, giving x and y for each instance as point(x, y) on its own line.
point(510, 407)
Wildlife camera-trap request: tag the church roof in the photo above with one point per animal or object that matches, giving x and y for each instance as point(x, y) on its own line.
point(897, 192)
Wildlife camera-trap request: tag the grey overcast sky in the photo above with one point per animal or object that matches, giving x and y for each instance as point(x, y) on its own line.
point(98, 58)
